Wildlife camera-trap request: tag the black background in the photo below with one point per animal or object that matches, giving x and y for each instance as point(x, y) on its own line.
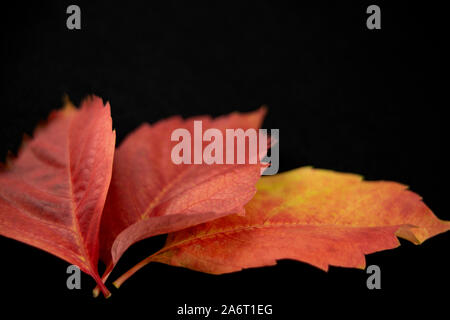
point(344, 98)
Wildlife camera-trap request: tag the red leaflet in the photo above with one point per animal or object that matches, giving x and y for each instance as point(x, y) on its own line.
point(151, 195)
point(52, 195)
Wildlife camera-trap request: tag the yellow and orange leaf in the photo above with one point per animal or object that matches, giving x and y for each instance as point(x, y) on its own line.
point(316, 216)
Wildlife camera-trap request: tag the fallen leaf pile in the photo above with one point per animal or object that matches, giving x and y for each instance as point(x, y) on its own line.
point(71, 193)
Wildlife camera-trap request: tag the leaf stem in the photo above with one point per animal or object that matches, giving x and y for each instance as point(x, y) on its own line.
point(102, 287)
point(105, 276)
point(132, 271)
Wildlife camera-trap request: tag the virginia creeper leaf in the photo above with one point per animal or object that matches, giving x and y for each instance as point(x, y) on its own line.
point(151, 195)
point(316, 216)
point(52, 195)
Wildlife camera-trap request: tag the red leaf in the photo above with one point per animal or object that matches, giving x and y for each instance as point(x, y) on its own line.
point(151, 195)
point(53, 194)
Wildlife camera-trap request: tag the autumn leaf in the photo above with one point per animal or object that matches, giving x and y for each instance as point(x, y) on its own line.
point(52, 195)
point(150, 195)
point(316, 216)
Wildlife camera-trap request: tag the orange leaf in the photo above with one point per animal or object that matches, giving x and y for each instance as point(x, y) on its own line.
point(151, 195)
point(316, 216)
point(53, 194)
